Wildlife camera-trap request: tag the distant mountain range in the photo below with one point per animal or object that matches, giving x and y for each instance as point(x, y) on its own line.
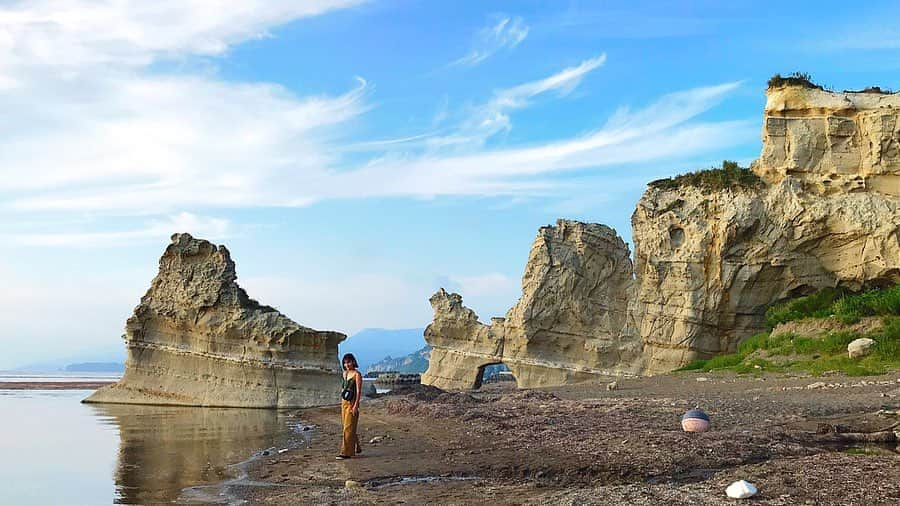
point(61, 364)
point(368, 345)
point(416, 362)
point(372, 345)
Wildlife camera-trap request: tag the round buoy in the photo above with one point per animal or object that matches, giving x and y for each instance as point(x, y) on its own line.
point(695, 420)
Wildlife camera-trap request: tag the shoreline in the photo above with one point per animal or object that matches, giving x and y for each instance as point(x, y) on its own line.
point(53, 385)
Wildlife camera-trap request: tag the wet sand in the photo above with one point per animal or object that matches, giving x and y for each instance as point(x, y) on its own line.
point(53, 385)
point(587, 445)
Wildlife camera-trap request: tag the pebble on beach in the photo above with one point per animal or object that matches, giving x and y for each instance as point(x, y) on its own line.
point(741, 489)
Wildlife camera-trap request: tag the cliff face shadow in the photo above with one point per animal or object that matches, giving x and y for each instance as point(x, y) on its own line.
point(164, 449)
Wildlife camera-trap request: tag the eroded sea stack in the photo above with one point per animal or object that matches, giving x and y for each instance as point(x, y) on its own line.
point(198, 339)
point(821, 209)
point(570, 324)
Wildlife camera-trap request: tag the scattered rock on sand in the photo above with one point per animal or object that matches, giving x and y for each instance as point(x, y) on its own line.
point(860, 347)
point(741, 490)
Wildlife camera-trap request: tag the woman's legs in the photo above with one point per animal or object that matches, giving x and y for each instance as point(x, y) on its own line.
point(350, 443)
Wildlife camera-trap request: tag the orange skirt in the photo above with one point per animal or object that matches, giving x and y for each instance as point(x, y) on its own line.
point(350, 443)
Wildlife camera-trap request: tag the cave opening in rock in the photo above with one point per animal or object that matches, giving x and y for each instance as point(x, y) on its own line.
point(495, 373)
point(676, 236)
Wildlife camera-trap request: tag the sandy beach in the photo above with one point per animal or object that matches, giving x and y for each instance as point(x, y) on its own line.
point(586, 445)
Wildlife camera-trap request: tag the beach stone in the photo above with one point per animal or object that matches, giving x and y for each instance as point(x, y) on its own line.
point(198, 339)
point(368, 389)
point(741, 489)
point(352, 484)
point(860, 348)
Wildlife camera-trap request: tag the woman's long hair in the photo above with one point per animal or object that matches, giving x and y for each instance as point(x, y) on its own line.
point(349, 358)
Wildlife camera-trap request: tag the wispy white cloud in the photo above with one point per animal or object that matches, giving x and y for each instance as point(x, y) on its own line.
point(285, 175)
point(74, 34)
point(485, 120)
point(662, 130)
point(506, 33)
point(97, 132)
point(493, 117)
point(91, 123)
point(154, 230)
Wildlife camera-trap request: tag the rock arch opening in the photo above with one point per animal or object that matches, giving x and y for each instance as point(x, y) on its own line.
point(495, 373)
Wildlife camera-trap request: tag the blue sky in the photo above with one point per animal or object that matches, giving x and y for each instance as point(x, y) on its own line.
point(357, 155)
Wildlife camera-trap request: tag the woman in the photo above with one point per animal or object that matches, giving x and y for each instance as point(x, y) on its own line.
point(352, 382)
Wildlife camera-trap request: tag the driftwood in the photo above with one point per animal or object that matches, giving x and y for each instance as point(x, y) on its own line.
point(827, 433)
point(885, 436)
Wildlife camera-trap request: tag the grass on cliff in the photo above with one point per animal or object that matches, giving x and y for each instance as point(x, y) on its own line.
point(816, 355)
point(793, 79)
point(804, 80)
point(876, 90)
point(849, 308)
point(730, 175)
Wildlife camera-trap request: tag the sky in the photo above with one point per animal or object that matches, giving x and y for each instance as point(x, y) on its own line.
point(355, 156)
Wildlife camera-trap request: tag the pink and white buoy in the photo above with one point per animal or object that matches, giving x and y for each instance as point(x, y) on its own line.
point(695, 420)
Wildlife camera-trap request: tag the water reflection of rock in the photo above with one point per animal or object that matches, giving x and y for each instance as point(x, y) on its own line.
point(163, 450)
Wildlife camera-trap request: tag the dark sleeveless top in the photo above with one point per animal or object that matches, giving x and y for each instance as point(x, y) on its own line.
point(348, 383)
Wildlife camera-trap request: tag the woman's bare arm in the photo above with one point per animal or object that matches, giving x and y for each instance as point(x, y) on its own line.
point(358, 382)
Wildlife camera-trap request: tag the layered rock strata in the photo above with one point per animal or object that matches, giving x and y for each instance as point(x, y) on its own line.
point(197, 339)
point(708, 263)
point(709, 259)
point(833, 142)
point(570, 324)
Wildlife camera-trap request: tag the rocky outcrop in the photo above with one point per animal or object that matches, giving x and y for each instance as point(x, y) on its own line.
point(711, 254)
point(709, 262)
point(832, 142)
point(197, 339)
point(570, 324)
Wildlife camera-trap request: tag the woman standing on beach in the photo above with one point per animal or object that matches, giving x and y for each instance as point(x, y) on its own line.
point(351, 391)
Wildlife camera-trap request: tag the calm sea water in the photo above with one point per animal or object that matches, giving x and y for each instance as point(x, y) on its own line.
point(55, 450)
point(56, 377)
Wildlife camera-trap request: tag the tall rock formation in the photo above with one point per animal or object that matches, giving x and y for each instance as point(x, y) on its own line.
point(711, 254)
point(709, 262)
point(197, 339)
point(570, 324)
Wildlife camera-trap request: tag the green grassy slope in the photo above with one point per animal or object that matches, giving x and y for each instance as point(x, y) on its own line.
point(827, 352)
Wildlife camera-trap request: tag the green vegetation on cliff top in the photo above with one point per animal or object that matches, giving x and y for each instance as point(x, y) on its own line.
point(801, 79)
point(730, 175)
point(804, 80)
point(828, 352)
